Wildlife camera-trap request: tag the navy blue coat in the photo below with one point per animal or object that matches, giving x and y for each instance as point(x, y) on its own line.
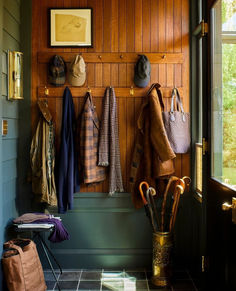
point(67, 177)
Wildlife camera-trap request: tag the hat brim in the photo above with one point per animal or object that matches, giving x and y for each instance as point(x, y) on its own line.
point(77, 81)
point(57, 81)
point(142, 83)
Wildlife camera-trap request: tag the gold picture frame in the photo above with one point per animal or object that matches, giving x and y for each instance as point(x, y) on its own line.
point(70, 27)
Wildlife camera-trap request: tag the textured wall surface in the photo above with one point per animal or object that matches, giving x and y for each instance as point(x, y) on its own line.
point(9, 39)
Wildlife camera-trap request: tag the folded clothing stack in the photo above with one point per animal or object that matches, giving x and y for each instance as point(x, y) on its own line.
point(59, 232)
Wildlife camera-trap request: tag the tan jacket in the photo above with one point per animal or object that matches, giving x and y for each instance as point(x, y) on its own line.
point(153, 155)
point(42, 159)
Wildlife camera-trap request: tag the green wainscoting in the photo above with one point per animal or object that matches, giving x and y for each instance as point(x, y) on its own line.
point(105, 232)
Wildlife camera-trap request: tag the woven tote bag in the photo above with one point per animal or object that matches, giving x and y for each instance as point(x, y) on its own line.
point(177, 125)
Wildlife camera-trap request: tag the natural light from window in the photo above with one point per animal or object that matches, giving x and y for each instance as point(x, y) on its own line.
point(224, 92)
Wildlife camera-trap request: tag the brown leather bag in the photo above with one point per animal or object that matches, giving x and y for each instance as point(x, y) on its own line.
point(22, 267)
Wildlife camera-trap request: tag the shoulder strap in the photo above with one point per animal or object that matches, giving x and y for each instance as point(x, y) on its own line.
point(178, 100)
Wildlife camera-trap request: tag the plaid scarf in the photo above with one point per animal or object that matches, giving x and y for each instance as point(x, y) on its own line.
point(109, 148)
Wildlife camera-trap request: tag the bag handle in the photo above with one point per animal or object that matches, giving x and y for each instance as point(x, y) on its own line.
point(11, 245)
point(175, 92)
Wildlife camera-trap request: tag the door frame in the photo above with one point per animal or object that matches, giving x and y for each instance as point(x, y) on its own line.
point(216, 237)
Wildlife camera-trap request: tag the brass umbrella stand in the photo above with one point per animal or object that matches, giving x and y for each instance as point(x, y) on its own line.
point(162, 231)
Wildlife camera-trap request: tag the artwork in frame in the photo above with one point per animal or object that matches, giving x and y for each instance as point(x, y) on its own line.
point(71, 27)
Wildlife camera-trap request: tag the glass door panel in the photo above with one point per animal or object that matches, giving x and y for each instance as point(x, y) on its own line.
point(223, 92)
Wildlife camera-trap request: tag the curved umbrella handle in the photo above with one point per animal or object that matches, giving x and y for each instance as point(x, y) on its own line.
point(141, 191)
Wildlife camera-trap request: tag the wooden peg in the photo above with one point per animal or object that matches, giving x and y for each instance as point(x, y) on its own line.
point(121, 56)
point(89, 90)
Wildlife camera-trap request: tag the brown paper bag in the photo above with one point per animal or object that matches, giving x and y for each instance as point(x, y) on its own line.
point(22, 267)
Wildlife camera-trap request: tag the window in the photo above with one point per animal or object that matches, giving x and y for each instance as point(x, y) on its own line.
point(223, 140)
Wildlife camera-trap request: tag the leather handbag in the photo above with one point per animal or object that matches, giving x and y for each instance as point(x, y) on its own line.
point(22, 267)
point(177, 125)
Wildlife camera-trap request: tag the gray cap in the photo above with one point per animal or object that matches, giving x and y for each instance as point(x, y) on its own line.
point(142, 72)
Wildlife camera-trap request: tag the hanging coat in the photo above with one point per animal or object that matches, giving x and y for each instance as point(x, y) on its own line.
point(89, 132)
point(152, 155)
point(67, 177)
point(42, 159)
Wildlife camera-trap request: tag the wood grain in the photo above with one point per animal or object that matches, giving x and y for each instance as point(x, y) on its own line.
point(122, 29)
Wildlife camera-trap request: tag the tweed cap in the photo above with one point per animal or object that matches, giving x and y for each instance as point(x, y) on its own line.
point(142, 72)
point(57, 71)
point(77, 71)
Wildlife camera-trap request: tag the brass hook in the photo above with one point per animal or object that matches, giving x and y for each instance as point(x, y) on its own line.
point(100, 57)
point(46, 91)
point(131, 91)
point(163, 56)
point(89, 90)
point(121, 56)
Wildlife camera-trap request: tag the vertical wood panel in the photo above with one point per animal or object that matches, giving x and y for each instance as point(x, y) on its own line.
point(106, 75)
point(177, 25)
point(90, 75)
point(107, 28)
point(98, 75)
point(123, 136)
point(130, 25)
point(114, 75)
point(122, 75)
point(169, 26)
point(130, 134)
point(146, 25)
point(138, 25)
point(154, 73)
point(114, 25)
point(161, 26)
point(119, 26)
point(122, 25)
point(154, 26)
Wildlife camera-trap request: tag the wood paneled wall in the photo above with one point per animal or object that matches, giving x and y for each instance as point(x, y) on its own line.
point(122, 29)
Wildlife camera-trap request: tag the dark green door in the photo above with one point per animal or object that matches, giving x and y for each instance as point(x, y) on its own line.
point(219, 128)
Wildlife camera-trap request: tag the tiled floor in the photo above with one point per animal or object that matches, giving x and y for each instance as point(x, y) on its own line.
point(127, 280)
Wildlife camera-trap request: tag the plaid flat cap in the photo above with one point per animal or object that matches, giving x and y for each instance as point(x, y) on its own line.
point(57, 71)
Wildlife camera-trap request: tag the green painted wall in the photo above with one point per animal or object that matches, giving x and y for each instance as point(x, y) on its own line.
point(12, 147)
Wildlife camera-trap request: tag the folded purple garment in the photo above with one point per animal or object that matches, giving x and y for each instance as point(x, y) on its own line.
point(59, 233)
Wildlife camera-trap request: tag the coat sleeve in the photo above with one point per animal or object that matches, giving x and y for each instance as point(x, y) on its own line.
point(158, 134)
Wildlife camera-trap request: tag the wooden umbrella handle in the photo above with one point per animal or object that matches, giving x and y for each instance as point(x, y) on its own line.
point(179, 189)
point(141, 191)
point(172, 179)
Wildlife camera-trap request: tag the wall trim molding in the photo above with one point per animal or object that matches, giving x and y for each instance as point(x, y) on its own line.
point(113, 251)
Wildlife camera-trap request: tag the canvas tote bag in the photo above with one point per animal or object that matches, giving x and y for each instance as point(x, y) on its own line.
point(22, 267)
point(177, 125)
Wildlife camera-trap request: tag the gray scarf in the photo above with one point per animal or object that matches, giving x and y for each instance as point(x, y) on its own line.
point(109, 148)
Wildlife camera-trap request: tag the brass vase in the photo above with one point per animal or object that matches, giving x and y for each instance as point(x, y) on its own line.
point(161, 264)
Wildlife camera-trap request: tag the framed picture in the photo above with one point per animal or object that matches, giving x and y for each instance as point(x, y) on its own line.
point(71, 27)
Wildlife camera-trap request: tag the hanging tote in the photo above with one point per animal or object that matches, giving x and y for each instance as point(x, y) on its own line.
point(177, 125)
point(22, 267)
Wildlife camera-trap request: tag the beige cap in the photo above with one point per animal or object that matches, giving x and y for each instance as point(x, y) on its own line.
point(77, 71)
